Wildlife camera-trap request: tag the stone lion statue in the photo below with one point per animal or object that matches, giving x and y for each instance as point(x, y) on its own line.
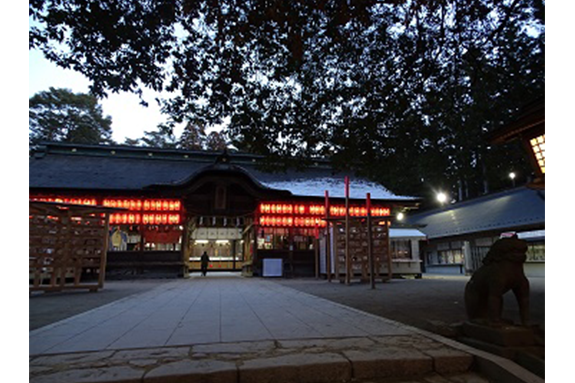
point(502, 270)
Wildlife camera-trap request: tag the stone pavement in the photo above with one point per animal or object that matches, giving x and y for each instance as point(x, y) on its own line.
point(232, 329)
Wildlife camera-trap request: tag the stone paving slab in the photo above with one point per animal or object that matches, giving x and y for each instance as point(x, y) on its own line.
point(239, 330)
point(206, 311)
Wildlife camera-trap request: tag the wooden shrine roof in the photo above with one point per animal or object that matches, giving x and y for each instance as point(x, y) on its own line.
point(63, 166)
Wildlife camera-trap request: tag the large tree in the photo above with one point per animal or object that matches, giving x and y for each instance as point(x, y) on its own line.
point(62, 115)
point(162, 137)
point(402, 91)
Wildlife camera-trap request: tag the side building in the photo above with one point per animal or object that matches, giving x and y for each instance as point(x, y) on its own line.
point(459, 235)
point(178, 204)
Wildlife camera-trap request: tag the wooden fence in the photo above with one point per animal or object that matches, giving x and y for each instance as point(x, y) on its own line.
point(68, 246)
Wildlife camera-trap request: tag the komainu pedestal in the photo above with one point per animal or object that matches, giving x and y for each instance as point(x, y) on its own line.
point(502, 271)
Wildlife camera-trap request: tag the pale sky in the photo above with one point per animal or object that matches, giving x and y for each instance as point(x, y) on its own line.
point(129, 118)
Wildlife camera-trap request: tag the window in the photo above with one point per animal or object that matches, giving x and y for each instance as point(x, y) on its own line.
point(536, 252)
point(448, 257)
point(155, 238)
point(272, 238)
point(447, 254)
point(401, 249)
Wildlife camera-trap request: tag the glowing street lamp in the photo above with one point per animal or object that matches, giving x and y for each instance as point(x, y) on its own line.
point(512, 175)
point(441, 197)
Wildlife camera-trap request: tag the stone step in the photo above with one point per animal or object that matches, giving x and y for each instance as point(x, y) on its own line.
point(300, 360)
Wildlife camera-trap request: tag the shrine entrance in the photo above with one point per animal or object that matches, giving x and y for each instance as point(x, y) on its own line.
point(226, 240)
point(220, 204)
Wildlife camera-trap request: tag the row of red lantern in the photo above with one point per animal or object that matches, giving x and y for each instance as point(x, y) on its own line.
point(359, 211)
point(291, 221)
point(75, 201)
point(125, 203)
point(145, 204)
point(282, 208)
point(146, 219)
point(335, 210)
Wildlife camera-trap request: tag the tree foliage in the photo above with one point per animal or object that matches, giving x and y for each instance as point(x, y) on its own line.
point(61, 115)
point(193, 137)
point(402, 91)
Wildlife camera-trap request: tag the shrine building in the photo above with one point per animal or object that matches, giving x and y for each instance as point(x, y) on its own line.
point(174, 205)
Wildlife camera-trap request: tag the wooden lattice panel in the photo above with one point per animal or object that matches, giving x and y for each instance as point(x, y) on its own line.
point(67, 247)
point(358, 250)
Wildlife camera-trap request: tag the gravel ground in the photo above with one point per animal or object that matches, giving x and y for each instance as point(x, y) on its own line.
point(47, 308)
point(432, 303)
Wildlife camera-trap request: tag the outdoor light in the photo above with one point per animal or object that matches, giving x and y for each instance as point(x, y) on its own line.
point(538, 146)
point(400, 216)
point(441, 197)
point(512, 176)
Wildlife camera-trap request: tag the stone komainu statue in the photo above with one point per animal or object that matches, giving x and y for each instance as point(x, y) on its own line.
point(502, 270)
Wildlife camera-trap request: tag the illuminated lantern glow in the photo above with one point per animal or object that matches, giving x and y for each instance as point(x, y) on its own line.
point(538, 147)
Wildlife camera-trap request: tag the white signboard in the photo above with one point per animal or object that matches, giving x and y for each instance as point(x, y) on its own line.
point(273, 267)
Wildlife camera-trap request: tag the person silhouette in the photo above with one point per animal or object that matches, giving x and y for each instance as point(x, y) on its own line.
point(204, 263)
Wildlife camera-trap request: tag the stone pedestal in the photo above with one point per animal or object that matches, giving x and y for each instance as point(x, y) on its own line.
point(513, 342)
point(506, 336)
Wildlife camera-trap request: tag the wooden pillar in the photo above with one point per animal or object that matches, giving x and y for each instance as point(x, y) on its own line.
point(389, 271)
point(255, 247)
point(327, 240)
point(183, 251)
point(233, 253)
point(103, 259)
point(347, 255)
point(67, 253)
point(290, 252)
point(316, 253)
point(370, 243)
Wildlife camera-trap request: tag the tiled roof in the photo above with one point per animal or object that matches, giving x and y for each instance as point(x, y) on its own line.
point(99, 167)
point(512, 209)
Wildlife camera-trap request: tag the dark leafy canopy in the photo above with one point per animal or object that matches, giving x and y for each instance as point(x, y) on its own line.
point(61, 115)
point(193, 137)
point(401, 90)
